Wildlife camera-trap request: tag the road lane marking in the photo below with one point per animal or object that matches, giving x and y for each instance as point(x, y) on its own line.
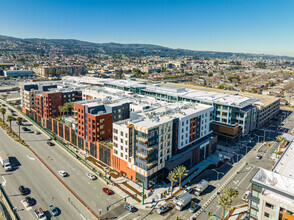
point(125, 216)
point(31, 158)
point(244, 178)
point(4, 181)
point(83, 217)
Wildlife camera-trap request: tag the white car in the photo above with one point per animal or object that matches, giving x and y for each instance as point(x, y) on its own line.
point(62, 173)
point(189, 189)
point(245, 196)
point(37, 132)
point(91, 176)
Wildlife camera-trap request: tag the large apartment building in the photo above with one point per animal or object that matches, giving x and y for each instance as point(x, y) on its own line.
point(145, 143)
point(272, 192)
point(94, 120)
point(233, 115)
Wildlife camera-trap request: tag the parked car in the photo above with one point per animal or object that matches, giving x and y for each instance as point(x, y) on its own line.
point(130, 208)
point(107, 191)
point(40, 214)
point(29, 201)
point(63, 173)
point(163, 209)
point(245, 196)
point(53, 210)
point(23, 190)
point(194, 208)
point(91, 176)
point(50, 143)
point(25, 129)
point(189, 190)
point(258, 156)
point(37, 132)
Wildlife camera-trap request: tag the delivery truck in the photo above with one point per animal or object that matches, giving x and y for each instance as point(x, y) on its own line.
point(183, 200)
point(200, 187)
point(5, 161)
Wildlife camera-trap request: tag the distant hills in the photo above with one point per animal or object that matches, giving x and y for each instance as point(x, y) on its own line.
point(71, 46)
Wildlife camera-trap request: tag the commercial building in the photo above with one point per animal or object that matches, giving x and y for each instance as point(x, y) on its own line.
point(18, 73)
point(272, 192)
point(53, 70)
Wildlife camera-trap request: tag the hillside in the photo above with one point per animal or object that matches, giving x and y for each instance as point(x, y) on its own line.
point(71, 46)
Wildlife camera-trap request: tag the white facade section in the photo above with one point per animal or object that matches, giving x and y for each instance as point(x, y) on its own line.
point(121, 141)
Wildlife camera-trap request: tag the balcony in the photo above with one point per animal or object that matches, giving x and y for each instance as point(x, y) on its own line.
point(151, 163)
point(141, 139)
point(142, 155)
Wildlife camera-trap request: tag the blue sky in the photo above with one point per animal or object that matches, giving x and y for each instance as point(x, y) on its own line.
point(256, 26)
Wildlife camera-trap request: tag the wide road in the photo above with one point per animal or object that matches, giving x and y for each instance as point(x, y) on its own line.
point(45, 189)
point(59, 159)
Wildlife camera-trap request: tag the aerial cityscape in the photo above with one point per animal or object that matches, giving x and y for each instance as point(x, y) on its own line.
point(147, 110)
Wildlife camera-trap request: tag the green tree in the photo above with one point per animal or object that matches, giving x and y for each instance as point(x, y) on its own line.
point(172, 177)
point(181, 171)
point(3, 111)
point(61, 110)
point(231, 194)
point(19, 122)
point(9, 119)
point(223, 201)
point(210, 74)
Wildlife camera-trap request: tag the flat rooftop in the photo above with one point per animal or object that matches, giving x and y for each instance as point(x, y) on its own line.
point(286, 163)
point(181, 90)
point(275, 181)
point(264, 99)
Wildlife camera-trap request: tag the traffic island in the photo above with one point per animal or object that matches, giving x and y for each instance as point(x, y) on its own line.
point(12, 134)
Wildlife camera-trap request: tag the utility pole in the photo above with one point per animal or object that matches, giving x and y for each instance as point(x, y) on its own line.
point(143, 195)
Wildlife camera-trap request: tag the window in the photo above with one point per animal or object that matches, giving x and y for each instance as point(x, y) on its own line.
point(255, 194)
point(126, 135)
point(121, 141)
point(121, 154)
point(115, 131)
point(121, 147)
point(121, 133)
point(102, 132)
point(254, 204)
point(266, 215)
point(254, 213)
point(268, 205)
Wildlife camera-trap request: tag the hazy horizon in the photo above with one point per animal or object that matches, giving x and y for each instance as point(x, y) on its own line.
point(259, 27)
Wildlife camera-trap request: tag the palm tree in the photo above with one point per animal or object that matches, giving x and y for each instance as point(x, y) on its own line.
point(231, 193)
point(3, 112)
point(280, 138)
point(9, 119)
point(172, 177)
point(19, 121)
point(181, 171)
point(223, 201)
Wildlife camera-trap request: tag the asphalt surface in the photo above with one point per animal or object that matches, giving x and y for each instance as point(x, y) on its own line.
point(58, 159)
point(44, 188)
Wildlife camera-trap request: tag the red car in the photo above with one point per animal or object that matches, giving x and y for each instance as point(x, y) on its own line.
point(107, 191)
point(50, 143)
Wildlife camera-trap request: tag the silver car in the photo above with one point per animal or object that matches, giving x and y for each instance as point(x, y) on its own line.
point(91, 176)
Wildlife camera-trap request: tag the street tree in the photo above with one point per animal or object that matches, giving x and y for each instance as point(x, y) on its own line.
point(181, 171)
point(231, 194)
point(3, 111)
point(172, 177)
point(223, 201)
point(9, 119)
point(19, 122)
